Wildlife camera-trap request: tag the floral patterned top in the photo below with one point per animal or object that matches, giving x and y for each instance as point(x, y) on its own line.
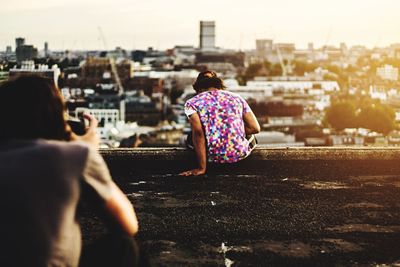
point(221, 115)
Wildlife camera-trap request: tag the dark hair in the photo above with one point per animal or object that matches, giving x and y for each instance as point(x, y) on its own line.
point(31, 107)
point(208, 79)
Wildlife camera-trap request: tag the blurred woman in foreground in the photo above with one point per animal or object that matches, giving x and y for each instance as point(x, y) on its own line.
point(45, 169)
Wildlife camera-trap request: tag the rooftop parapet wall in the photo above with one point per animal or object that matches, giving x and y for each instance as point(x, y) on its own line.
point(275, 161)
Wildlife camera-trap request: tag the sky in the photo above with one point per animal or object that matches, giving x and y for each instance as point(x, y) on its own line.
point(162, 24)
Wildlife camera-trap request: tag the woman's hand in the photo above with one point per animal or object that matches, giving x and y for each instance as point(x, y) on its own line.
point(90, 136)
point(194, 172)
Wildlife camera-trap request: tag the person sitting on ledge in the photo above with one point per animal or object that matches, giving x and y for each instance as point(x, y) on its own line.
point(45, 169)
point(223, 125)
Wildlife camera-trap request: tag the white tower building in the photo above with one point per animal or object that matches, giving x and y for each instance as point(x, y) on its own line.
point(207, 35)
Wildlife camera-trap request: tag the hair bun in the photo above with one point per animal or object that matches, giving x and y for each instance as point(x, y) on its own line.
point(207, 79)
point(206, 74)
point(209, 74)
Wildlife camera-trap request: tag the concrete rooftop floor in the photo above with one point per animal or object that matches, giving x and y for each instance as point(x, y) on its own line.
point(326, 209)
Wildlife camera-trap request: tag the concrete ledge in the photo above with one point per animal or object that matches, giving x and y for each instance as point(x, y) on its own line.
point(275, 161)
point(264, 153)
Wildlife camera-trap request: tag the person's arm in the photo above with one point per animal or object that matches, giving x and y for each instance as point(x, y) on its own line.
point(105, 197)
point(199, 143)
point(251, 125)
point(120, 208)
point(117, 206)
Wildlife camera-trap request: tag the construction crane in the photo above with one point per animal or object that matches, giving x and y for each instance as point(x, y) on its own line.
point(286, 68)
point(114, 72)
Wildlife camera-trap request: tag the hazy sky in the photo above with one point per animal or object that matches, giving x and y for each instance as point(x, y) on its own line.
point(134, 24)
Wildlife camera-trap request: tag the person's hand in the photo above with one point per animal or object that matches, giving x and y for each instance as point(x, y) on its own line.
point(194, 172)
point(90, 136)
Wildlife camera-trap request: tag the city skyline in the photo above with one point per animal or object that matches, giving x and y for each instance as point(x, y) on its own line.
point(138, 25)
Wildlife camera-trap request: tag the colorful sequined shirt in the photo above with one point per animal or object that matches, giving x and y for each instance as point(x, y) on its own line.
point(221, 115)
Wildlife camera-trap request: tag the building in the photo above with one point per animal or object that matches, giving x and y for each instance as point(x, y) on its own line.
point(388, 72)
point(160, 60)
point(286, 51)
point(394, 51)
point(28, 67)
point(104, 116)
point(343, 48)
point(355, 52)
point(263, 47)
point(207, 35)
point(334, 54)
point(236, 59)
point(138, 55)
point(19, 42)
point(397, 54)
point(95, 69)
point(46, 49)
point(184, 55)
point(8, 50)
point(275, 53)
point(140, 107)
point(9, 55)
point(24, 52)
point(146, 84)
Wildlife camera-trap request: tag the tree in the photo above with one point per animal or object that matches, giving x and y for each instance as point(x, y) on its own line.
point(301, 67)
point(252, 71)
point(377, 117)
point(367, 114)
point(335, 69)
point(341, 115)
point(276, 70)
point(330, 77)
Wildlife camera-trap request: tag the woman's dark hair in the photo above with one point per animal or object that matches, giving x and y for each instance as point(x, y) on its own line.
point(208, 79)
point(31, 107)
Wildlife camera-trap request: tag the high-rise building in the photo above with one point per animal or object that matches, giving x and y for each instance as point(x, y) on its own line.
point(46, 49)
point(19, 42)
point(24, 52)
point(207, 35)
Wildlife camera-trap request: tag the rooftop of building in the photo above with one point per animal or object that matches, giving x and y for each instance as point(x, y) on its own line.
point(279, 207)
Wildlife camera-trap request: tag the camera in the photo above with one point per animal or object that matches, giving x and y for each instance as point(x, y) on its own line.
point(77, 125)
